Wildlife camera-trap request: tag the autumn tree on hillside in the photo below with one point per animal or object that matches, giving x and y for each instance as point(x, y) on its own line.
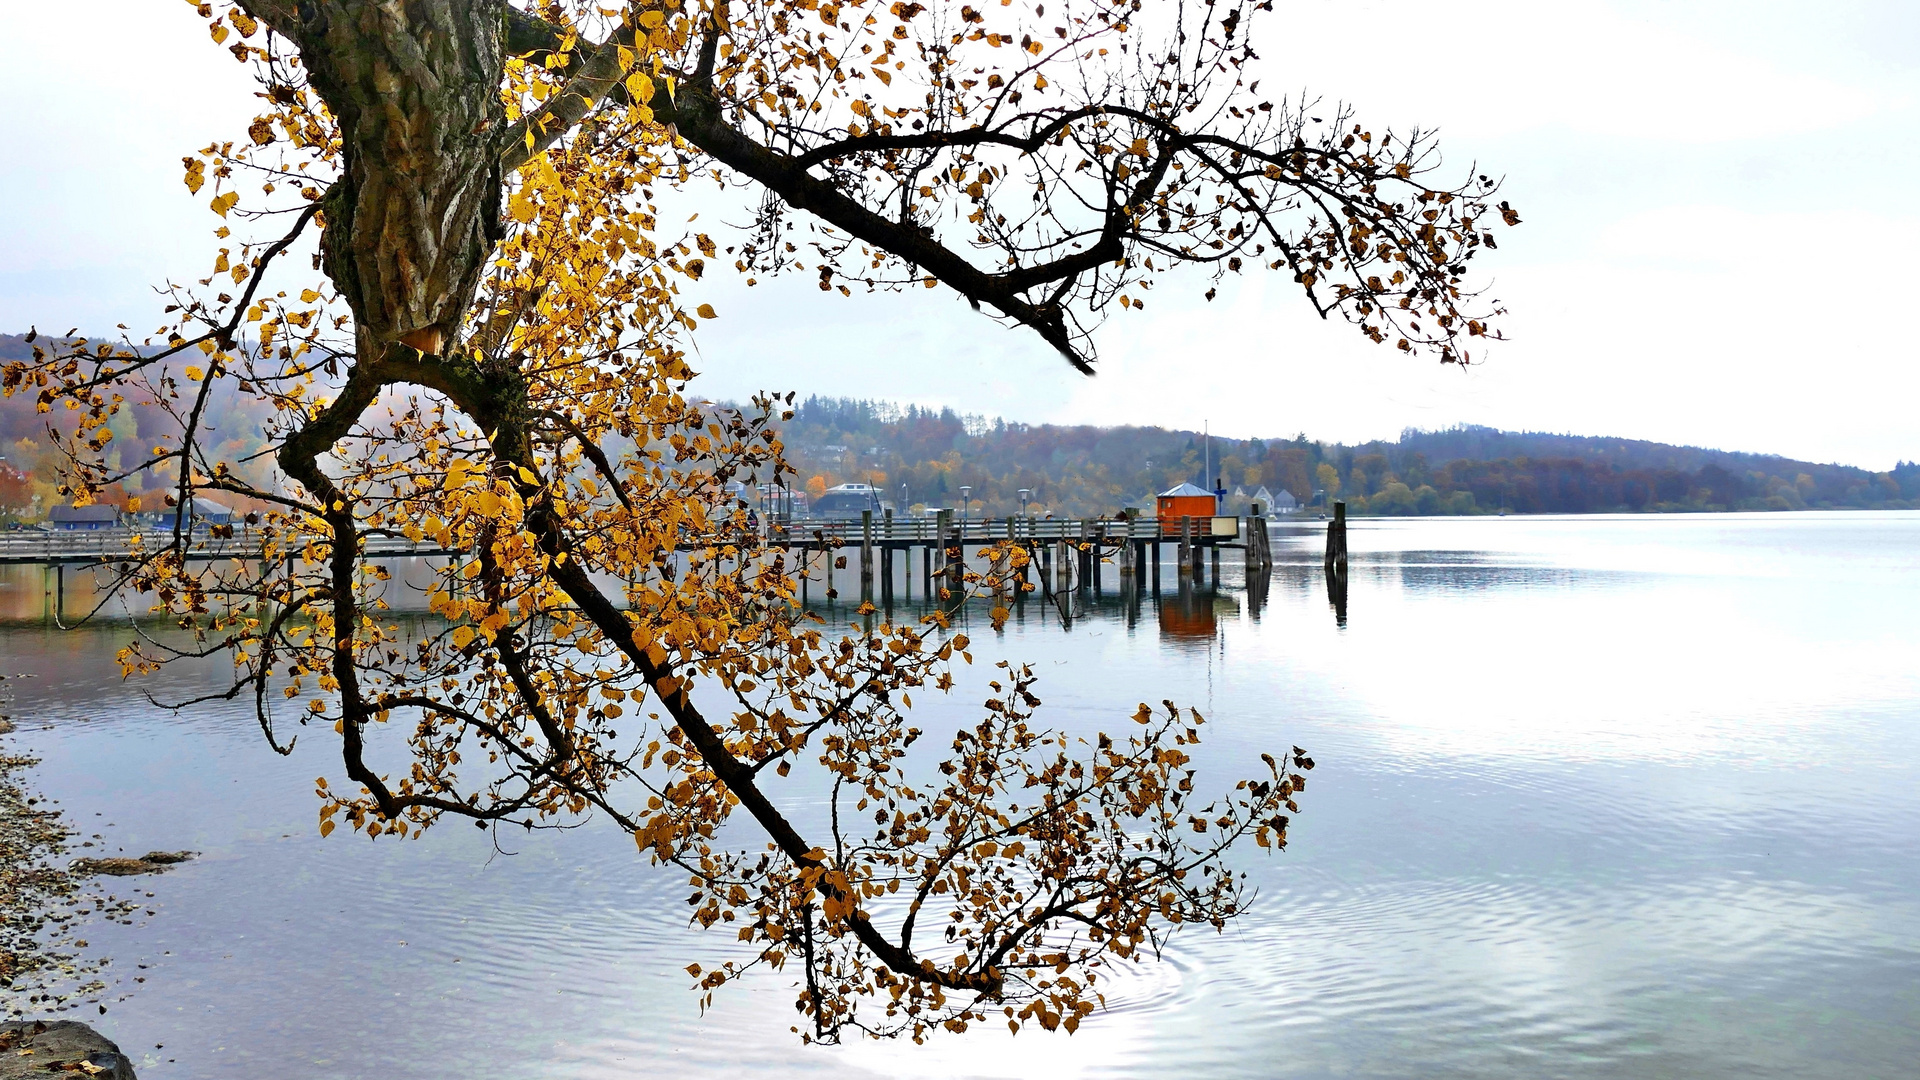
point(490, 356)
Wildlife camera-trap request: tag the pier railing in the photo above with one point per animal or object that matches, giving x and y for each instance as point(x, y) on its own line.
point(79, 546)
point(66, 546)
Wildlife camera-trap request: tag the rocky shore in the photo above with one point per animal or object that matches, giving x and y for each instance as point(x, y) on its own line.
point(43, 904)
point(45, 901)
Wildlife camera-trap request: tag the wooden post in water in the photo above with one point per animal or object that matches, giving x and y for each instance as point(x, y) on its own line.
point(1083, 555)
point(1012, 580)
point(866, 554)
point(1336, 558)
point(1259, 543)
point(886, 557)
point(937, 555)
point(927, 562)
point(1100, 553)
point(1186, 545)
point(957, 559)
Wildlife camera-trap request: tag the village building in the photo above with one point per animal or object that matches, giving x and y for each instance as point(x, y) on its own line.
point(849, 501)
point(83, 518)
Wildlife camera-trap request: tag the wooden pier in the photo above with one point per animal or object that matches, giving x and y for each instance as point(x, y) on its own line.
point(866, 558)
point(1127, 539)
point(1062, 553)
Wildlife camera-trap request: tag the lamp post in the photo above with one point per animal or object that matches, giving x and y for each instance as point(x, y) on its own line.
point(1024, 492)
point(966, 500)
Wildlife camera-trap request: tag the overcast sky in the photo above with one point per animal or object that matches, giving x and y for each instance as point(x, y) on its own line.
point(1718, 204)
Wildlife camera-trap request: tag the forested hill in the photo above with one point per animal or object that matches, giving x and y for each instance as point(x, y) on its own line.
point(1077, 469)
point(925, 457)
point(233, 429)
point(1474, 443)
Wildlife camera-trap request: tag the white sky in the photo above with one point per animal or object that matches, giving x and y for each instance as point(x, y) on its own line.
point(1717, 203)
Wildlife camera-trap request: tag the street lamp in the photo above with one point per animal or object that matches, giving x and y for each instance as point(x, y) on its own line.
point(1024, 492)
point(966, 499)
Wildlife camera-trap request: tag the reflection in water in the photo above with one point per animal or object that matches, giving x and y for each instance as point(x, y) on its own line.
point(1188, 615)
point(1601, 843)
point(1337, 595)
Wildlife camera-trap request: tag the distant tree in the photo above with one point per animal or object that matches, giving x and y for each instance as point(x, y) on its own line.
point(1328, 479)
point(493, 360)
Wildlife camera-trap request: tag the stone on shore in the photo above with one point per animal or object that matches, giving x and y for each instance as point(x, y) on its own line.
point(153, 862)
point(42, 1048)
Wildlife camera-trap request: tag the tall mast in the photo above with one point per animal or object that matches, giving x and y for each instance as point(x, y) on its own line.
point(1206, 431)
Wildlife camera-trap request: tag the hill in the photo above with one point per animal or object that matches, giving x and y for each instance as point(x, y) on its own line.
point(927, 457)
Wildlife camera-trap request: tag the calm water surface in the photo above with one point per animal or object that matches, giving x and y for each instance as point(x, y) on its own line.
point(1597, 797)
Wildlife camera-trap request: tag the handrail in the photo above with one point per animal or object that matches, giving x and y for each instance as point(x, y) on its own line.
point(120, 542)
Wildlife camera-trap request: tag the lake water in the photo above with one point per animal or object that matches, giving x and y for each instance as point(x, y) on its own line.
point(1596, 797)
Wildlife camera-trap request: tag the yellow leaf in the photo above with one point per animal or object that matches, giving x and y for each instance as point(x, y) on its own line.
point(705, 311)
point(194, 374)
point(308, 296)
point(223, 203)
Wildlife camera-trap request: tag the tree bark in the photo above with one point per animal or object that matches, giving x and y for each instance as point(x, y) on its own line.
point(415, 86)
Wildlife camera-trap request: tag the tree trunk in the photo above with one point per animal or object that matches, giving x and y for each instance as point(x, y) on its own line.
point(415, 85)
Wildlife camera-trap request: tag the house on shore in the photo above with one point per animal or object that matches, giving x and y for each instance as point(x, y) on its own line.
point(83, 518)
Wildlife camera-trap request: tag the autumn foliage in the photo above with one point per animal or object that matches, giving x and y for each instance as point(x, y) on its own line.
point(488, 353)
